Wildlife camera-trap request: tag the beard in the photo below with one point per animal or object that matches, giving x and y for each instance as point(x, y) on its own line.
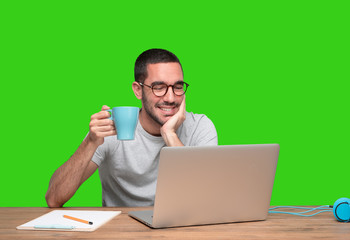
point(150, 111)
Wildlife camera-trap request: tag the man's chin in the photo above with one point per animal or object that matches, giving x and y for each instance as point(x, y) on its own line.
point(163, 119)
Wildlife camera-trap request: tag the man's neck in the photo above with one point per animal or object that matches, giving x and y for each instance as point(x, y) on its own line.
point(148, 124)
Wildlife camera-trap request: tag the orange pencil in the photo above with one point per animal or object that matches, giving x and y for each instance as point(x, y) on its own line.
point(77, 219)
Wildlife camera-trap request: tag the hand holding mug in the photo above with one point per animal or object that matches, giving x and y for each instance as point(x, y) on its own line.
point(101, 126)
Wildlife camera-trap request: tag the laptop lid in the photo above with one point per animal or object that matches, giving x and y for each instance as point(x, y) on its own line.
point(214, 184)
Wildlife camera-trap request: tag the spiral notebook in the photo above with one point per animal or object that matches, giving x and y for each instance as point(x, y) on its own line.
point(54, 220)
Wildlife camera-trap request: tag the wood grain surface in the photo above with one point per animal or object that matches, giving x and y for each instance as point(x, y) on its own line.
point(277, 226)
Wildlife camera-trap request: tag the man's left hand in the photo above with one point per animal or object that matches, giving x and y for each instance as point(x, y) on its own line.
point(168, 130)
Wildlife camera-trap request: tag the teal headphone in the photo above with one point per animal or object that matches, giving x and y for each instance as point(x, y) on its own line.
point(341, 209)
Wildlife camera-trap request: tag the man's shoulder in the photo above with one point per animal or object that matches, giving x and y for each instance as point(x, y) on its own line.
point(195, 118)
point(197, 130)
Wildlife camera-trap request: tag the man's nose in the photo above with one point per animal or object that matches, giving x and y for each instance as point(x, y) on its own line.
point(169, 96)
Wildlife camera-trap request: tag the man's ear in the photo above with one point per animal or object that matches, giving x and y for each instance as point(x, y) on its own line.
point(137, 90)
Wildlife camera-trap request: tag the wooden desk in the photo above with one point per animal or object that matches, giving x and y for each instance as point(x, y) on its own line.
point(277, 226)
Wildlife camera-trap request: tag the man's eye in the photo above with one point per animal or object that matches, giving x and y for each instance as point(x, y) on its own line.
point(178, 86)
point(158, 87)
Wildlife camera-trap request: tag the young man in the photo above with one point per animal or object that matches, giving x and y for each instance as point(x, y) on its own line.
point(128, 169)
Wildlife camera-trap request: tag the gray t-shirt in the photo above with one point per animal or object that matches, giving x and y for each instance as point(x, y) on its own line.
point(128, 169)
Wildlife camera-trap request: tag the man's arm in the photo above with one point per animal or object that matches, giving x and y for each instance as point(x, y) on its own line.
point(168, 130)
point(67, 178)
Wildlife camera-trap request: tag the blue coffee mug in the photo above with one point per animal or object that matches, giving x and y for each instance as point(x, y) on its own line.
point(125, 121)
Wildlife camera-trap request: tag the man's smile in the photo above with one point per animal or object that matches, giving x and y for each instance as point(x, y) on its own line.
point(168, 111)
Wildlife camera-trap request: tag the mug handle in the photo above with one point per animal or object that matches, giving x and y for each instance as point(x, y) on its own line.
point(110, 113)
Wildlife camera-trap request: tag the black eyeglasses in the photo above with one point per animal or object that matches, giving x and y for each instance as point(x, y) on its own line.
point(160, 89)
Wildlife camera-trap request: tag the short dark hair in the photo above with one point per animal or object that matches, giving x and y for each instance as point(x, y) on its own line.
point(151, 56)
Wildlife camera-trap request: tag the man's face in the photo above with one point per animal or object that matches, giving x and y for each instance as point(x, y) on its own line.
point(160, 109)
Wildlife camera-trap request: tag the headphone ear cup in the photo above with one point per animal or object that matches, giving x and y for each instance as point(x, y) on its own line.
point(341, 209)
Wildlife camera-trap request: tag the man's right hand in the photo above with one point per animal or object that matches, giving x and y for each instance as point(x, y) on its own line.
point(101, 126)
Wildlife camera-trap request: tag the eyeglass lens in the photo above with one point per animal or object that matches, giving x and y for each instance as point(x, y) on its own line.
point(178, 89)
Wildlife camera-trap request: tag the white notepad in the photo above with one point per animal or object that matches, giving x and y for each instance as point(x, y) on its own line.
point(54, 220)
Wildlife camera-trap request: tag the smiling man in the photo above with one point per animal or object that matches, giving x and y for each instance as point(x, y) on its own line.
point(128, 169)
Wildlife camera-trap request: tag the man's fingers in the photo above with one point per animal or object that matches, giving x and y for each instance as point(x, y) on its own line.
point(101, 122)
point(101, 115)
point(182, 108)
point(183, 103)
point(106, 134)
point(102, 128)
point(105, 107)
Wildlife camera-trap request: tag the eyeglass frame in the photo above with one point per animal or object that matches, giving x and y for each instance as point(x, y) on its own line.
point(166, 91)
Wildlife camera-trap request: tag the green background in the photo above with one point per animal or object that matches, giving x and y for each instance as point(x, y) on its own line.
point(263, 72)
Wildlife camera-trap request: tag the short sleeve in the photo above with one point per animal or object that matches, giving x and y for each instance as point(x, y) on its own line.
point(197, 130)
point(99, 155)
point(103, 150)
point(205, 133)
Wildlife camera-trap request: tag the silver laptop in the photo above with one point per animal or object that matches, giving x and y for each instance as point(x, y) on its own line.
point(212, 184)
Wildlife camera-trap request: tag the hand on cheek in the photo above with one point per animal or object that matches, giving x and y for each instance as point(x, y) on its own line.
point(168, 130)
